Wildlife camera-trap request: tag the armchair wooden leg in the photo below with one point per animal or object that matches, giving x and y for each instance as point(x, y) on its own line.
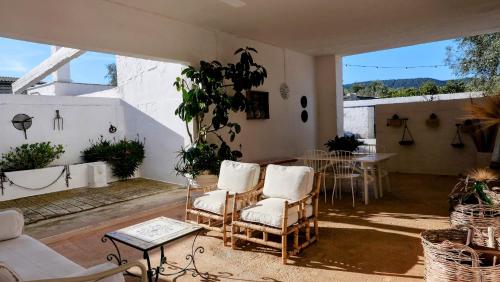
point(284, 253)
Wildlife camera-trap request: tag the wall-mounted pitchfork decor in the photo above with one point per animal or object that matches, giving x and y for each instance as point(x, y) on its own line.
point(58, 121)
point(22, 122)
point(457, 141)
point(407, 138)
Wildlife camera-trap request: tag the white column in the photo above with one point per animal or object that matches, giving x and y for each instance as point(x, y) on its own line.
point(330, 103)
point(62, 74)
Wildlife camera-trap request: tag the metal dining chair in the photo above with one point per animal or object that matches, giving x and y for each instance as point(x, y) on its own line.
point(319, 161)
point(344, 167)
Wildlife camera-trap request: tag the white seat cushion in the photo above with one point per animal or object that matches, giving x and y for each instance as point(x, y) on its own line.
point(238, 177)
point(12, 224)
point(32, 260)
point(213, 202)
point(270, 212)
point(288, 182)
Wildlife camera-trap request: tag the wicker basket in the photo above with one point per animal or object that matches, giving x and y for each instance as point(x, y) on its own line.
point(447, 258)
point(480, 217)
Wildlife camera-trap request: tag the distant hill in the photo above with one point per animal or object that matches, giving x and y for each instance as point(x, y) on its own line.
point(402, 83)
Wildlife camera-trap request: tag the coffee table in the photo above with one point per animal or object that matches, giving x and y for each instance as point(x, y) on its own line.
point(152, 234)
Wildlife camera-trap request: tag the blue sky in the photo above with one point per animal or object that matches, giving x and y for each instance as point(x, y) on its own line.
point(423, 54)
point(18, 57)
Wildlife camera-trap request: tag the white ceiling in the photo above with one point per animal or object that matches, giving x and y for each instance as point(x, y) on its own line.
point(321, 27)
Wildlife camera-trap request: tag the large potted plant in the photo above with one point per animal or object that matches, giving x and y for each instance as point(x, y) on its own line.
point(344, 143)
point(209, 93)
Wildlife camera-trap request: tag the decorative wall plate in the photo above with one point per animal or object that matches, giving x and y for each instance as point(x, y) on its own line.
point(284, 90)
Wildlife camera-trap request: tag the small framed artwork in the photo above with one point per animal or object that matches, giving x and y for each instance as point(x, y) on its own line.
point(257, 105)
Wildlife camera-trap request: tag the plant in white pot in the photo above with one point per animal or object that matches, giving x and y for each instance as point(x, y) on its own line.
point(209, 93)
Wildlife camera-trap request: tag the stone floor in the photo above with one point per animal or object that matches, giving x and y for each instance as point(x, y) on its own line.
point(52, 205)
point(378, 242)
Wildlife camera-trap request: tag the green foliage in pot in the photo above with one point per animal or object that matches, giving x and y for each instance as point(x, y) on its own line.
point(30, 156)
point(97, 151)
point(344, 143)
point(214, 89)
point(474, 189)
point(124, 156)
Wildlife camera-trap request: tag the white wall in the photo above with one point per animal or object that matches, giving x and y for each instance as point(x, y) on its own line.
point(67, 89)
point(360, 121)
point(149, 101)
point(84, 119)
point(432, 152)
point(284, 134)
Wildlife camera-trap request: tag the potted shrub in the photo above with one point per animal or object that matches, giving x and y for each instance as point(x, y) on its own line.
point(30, 156)
point(125, 156)
point(344, 143)
point(484, 119)
point(209, 93)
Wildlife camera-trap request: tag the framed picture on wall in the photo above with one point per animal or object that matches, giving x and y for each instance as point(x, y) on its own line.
point(257, 105)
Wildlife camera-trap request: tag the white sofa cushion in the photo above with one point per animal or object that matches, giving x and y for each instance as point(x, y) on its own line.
point(238, 177)
point(288, 182)
point(99, 268)
point(7, 274)
point(213, 202)
point(12, 224)
point(32, 260)
point(270, 212)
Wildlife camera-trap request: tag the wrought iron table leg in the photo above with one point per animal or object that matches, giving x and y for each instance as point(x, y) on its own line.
point(117, 256)
point(191, 265)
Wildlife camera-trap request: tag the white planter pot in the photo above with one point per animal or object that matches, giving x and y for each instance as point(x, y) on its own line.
point(202, 180)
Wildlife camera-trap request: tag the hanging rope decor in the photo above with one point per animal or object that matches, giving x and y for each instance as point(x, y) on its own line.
point(407, 138)
point(284, 89)
point(457, 141)
point(65, 171)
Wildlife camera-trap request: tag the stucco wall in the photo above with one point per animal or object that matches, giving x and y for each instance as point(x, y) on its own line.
point(432, 152)
point(67, 89)
point(149, 100)
point(360, 121)
point(84, 119)
point(284, 134)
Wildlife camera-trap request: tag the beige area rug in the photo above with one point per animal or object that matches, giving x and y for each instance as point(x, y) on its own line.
point(378, 242)
point(51, 205)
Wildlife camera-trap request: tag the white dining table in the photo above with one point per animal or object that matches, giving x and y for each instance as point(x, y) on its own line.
point(368, 162)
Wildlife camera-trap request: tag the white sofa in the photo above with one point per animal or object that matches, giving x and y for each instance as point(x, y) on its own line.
point(23, 258)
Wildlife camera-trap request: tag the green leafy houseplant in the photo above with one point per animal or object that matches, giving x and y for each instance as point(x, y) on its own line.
point(30, 156)
point(217, 90)
point(125, 156)
point(344, 143)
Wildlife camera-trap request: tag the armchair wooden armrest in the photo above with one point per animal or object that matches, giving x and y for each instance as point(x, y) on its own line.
point(254, 191)
point(101, 275)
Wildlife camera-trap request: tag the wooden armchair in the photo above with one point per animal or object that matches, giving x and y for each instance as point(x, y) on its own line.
point(286, 204)
point(212, 209)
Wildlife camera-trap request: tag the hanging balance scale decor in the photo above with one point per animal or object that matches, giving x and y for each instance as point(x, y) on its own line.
point(457, 141)
point(407, 138)
point(22, 122)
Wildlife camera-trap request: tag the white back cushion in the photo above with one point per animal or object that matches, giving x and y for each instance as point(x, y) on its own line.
point(288, 182)
point(12, 224)
point(238, 177)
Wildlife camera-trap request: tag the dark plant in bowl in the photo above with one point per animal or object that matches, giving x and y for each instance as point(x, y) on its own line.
point(30, 156)
point(344, 143)
point(124, 156)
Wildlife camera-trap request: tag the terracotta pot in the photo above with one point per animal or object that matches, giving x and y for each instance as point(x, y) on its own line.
point(202, 180)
